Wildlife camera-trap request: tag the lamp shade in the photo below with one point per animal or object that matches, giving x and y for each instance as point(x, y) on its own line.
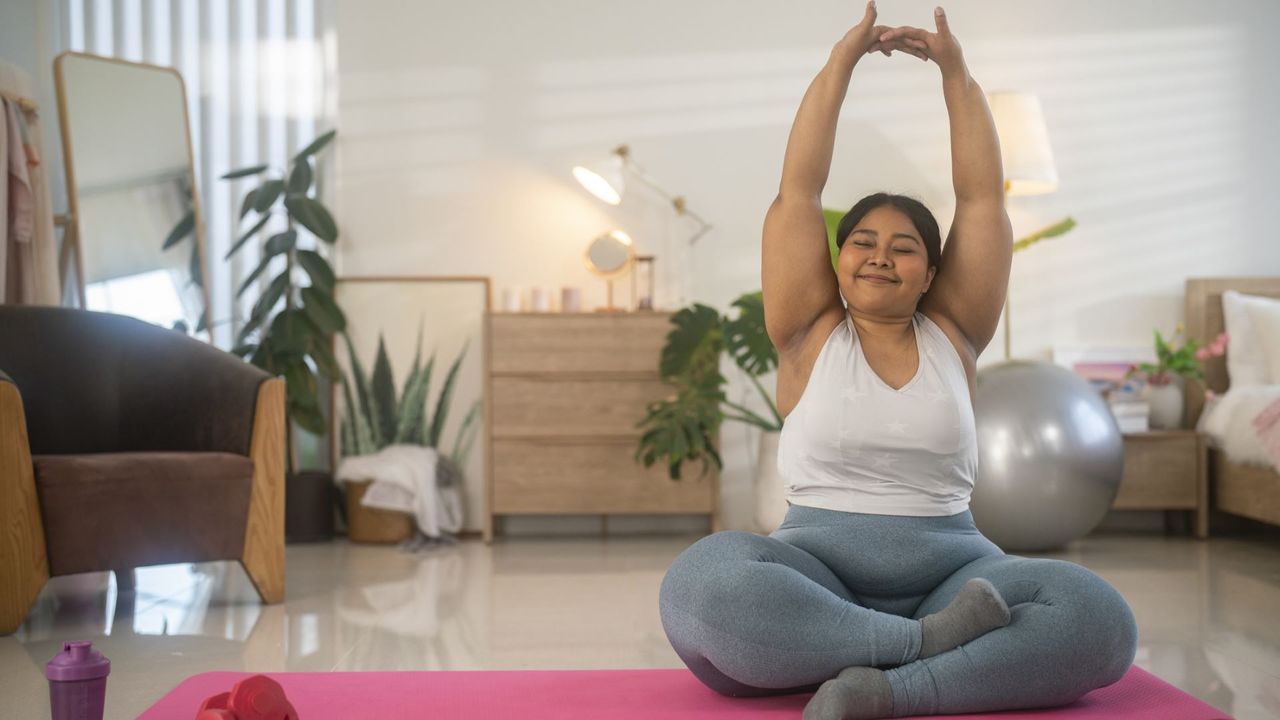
point(603, 179)
point(1024, 143)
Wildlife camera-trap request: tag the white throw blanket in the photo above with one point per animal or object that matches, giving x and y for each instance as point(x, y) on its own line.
point(404, 479)
point(1239, 423)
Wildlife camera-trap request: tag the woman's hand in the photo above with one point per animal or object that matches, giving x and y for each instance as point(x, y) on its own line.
point(865, 37)
point(940, 47)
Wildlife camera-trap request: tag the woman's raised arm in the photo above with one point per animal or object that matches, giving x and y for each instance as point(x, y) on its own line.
point(799, 284)
point(973, 272)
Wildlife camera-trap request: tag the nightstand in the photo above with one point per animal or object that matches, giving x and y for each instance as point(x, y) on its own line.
point(1167, 470)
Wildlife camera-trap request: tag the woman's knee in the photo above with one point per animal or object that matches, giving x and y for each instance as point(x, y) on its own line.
point(706, 564)
point(1102, 629)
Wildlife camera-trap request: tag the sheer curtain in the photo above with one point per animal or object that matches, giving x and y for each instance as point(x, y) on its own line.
point(259, 82)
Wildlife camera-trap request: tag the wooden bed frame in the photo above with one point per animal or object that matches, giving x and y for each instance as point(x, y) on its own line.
point(1249, 490)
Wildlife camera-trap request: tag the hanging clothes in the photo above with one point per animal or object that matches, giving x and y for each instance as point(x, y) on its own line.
point(19, 213)
point(28, 245)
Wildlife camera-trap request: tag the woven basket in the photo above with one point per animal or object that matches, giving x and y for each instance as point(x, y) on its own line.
point(371, 525)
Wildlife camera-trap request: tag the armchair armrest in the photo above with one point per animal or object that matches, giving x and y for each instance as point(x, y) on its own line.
point(24, 563)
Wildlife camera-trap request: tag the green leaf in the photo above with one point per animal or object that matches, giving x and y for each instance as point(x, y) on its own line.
point(442, 403)
point(261, 356)
point(467, 433)
point(194, 266)
point(320, 350)
point(318, 269)
point(1059, 228)
point(363, 393)
point(313, 216)
point(243, 172)
point(745, 337)
point(262, 266)
point(308, 417)
point(268, 300)
point(362, 438)
point(315, 145)
point(281, 242)
point(267, 195)
point(290, 332)
point(300, 177)
point(244, 349)
point(181, 230)
point(383, 385)
point(417, 433)
point(412, 408)
point(323, 311)
point(262, 221)
point(301, 385)
point(833, 218)
point(250, 198)
point(276, 244)
point(696, 341)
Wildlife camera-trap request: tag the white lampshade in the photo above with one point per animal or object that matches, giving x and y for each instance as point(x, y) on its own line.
point(603, 179)
point(1024, 143)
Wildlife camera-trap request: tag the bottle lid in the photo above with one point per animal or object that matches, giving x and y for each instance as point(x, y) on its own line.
point(77, 661)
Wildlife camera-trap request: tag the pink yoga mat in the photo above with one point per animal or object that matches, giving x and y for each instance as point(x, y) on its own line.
point(608, 695)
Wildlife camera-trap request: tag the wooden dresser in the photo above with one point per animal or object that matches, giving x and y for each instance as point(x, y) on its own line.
point(566, 391)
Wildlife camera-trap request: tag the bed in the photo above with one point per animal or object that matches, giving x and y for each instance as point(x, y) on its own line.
point(1240, 488)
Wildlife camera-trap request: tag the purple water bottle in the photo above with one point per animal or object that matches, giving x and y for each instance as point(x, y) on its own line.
point(77, 682)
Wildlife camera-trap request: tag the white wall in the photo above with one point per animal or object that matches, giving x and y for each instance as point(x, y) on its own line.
point(460, 121)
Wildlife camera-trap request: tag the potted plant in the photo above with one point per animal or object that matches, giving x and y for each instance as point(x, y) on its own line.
point(374, 417)
point(1166, 377)
point(290, 327)
point(684, 425)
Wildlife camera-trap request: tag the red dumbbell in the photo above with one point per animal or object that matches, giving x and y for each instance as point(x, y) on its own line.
point(257, 697)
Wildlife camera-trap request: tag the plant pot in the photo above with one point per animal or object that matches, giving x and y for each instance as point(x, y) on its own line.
point(1166, 405)
point(771, 495)
point(309, 498)
point(371, 525)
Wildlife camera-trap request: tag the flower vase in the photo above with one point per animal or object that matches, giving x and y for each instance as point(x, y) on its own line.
point(1167, 404)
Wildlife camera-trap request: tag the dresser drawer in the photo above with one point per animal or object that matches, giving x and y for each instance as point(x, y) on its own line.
point(577, 342)
point(1160, 472)
point(550, 406)
point(592, 477)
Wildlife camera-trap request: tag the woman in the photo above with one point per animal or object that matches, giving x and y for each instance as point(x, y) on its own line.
point(877, 590)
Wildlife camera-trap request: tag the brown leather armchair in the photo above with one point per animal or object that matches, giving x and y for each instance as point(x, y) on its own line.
point(123, 444)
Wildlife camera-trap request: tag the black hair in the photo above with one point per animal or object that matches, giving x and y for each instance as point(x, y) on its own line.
point(920, 216)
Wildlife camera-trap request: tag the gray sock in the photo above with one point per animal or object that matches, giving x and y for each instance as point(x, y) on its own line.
point(976, 610)
point(857, 693)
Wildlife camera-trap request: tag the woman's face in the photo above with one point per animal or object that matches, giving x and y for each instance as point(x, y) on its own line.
point(885, 243)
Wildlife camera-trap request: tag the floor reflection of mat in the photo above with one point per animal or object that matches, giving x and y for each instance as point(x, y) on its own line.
point(606, 695)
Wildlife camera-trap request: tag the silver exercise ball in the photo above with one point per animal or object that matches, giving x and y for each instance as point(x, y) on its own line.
point(1050, 456)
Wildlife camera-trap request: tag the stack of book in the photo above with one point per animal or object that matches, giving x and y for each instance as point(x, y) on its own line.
point(1131, 414)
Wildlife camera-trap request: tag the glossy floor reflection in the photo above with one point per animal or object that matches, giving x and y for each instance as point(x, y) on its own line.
point(1207, 614)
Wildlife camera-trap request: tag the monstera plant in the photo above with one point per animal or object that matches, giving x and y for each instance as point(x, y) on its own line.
point(683, 426)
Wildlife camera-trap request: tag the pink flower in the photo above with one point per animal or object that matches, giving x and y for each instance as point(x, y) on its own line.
point(1209, 395)
point(1203, 354)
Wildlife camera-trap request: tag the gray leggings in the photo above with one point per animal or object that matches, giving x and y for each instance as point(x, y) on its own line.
point(753, 615)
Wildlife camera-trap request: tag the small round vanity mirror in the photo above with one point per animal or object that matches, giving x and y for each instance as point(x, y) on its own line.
point(611, 254)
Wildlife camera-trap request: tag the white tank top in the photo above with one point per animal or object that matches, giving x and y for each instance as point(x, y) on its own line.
point(854, 444)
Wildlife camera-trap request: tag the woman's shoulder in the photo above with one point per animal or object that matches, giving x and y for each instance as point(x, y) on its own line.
point(943, 328)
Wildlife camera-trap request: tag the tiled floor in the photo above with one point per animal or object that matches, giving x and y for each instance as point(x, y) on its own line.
point(1208, 615)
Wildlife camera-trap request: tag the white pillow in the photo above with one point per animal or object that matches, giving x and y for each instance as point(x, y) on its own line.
point(1265, 314)
point(1246, 363)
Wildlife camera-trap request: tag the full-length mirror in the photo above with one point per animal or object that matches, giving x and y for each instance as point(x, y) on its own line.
point(134, 208)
